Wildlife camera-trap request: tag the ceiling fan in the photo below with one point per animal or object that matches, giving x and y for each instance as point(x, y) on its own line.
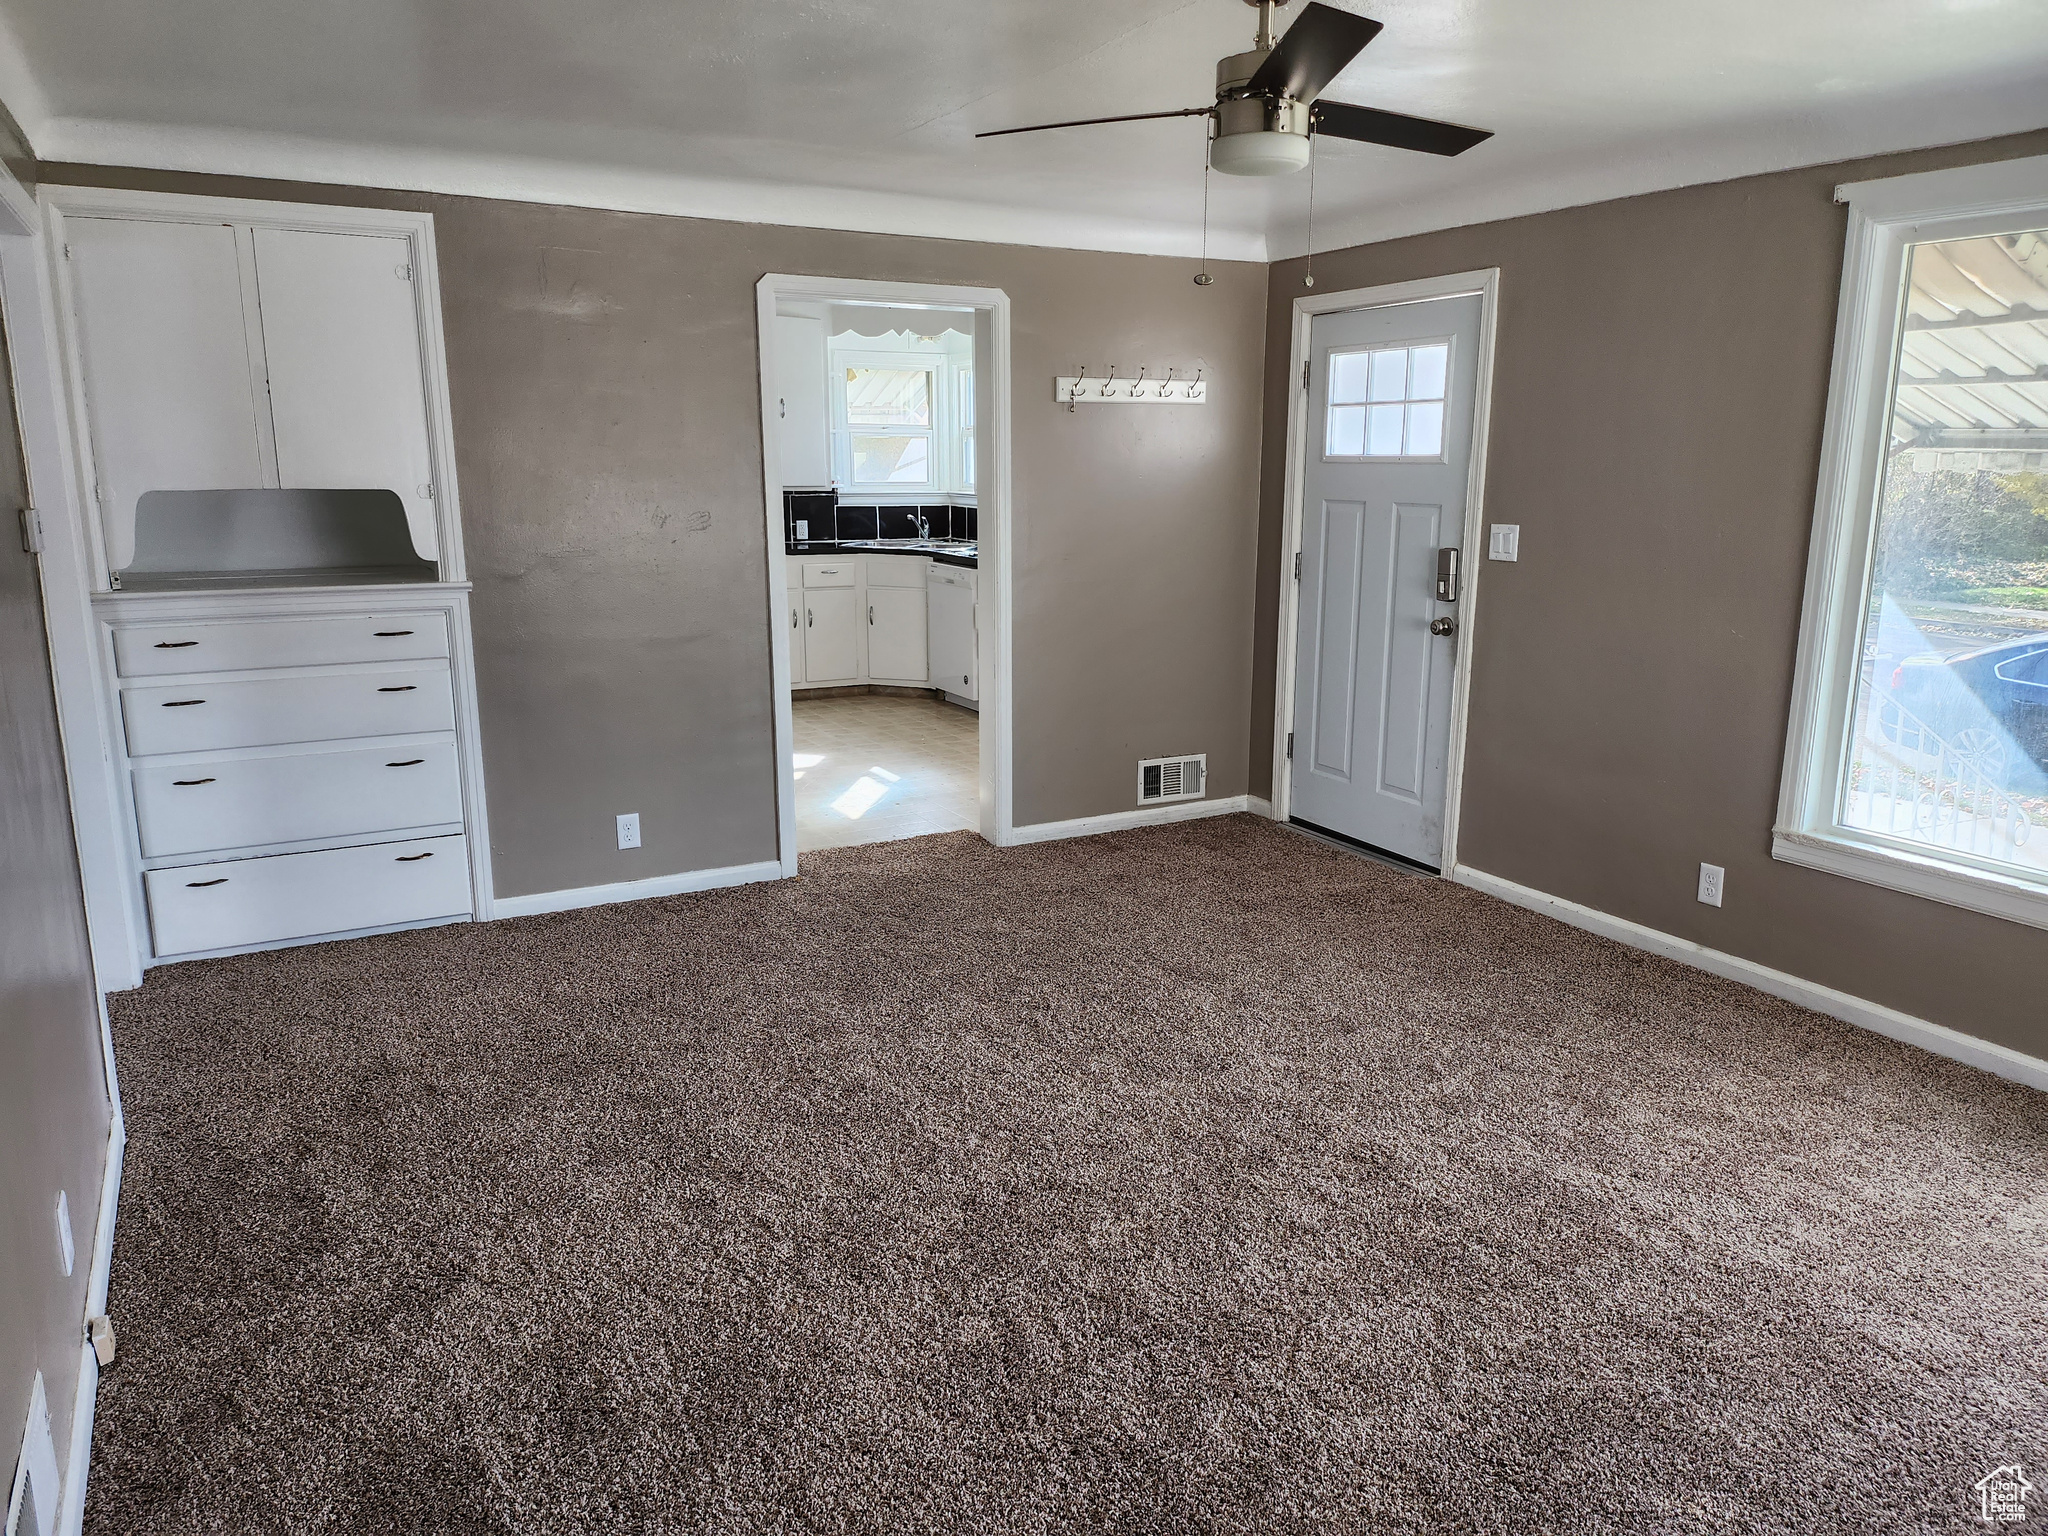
point(1266, 106)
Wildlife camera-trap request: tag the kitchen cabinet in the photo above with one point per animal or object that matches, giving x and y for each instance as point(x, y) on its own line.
point(833, 630)
point(802, 404)
point(859, 620)
point(896, 619)
point(793, 604)
point(896, 636)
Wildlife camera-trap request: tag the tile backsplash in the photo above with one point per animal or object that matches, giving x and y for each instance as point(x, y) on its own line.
point(827, 519)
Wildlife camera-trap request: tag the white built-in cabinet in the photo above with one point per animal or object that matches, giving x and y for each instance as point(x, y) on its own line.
point(859, 619)
point(802, 401)
point(297, 747)
point(235, 355)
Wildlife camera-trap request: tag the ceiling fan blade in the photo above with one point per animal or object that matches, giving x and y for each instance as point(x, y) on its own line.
point(1369, 125)
point(1312, 52)
point(1089, 122)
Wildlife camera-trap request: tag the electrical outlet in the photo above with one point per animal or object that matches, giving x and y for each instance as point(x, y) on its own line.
point(629, 830)
point(1711, 876)
point(1504, 542)
point(67, 1250)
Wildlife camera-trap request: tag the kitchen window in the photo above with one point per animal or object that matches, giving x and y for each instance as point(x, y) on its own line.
point(1918, 750)
point(887, 419)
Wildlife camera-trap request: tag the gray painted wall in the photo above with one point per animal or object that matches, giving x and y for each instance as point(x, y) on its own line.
point(603, 372)
point(54, 1111)
point(1661, 378)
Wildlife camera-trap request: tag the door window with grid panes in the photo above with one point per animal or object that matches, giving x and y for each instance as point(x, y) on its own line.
point(1387, 402)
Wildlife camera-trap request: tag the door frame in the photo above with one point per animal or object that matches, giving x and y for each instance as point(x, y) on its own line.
point(1486, 284)
point(992, 588)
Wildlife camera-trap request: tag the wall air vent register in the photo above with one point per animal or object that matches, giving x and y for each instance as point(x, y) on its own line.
point(1172, 778)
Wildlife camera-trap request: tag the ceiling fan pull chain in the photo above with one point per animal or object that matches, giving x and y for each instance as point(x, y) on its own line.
point(1308, 277)
point(1202, 278)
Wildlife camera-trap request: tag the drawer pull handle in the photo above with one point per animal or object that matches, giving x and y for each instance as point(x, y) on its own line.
point(174, 645)
point(186, 783)
point(392, 634)
point(402, 688)
point(200, 885)
point(181, 703)
point(414, 858)
point(410, 762)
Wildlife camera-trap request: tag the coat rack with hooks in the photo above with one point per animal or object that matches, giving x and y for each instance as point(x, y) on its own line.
point(1143, 386)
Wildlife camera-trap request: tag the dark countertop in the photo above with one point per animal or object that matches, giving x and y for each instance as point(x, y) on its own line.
point(966, 555)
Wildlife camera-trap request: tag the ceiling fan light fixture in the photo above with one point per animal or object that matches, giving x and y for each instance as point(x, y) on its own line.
point(1272, 152)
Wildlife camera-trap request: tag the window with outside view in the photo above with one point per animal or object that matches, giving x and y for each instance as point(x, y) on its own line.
point(889, 420)
point(1948, 749)
point(1387, 403)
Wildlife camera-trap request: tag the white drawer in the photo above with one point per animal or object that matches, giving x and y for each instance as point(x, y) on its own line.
point(292, 797)
point(896, 570)
point(828, 573)
point(151, 650)
point(237, 902)
point(208, 716)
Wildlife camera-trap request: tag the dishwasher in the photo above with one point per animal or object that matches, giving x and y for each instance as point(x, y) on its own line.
point(951, 593)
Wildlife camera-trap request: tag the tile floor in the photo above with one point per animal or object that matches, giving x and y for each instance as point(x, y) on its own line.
point(871, 768)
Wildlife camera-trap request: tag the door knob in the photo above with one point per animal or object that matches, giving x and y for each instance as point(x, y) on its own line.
point(1443, 626)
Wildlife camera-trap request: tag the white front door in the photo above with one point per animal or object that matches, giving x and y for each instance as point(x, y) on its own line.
point(1388, 448)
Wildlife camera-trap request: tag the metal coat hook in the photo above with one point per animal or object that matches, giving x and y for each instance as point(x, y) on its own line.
point(1074, 394)
point(1167, 388)
point(1197, 384)
point(1138, 383)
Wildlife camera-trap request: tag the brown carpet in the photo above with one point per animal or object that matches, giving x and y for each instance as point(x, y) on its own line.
point(1200, 1179)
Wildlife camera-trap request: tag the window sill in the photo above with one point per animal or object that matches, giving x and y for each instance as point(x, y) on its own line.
point(1953, 883)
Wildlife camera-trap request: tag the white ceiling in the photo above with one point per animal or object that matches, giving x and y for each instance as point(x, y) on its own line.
point(860, 113)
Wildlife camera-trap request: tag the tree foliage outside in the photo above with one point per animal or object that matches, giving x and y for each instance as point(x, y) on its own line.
point(1963, 537)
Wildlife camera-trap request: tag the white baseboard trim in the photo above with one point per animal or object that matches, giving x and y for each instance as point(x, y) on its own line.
point(636, 890)
point(1985, 1055)
point(71, 1502)
point(1259, 805)
point(1122, 821)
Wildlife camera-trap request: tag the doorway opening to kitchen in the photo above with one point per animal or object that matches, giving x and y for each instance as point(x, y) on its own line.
point(882, 413)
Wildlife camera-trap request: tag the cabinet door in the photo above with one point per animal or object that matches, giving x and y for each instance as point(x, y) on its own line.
point(800, 385)
point(896, 634)
point(793, 609)
point(832, 635)
point(341, 338)
point(170, 396)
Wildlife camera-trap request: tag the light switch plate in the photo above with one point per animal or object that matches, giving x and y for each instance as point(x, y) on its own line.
point(1504, 542)
point(67, 1246)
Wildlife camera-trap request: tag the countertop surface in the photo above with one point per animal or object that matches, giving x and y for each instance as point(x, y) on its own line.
point(961, 552)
